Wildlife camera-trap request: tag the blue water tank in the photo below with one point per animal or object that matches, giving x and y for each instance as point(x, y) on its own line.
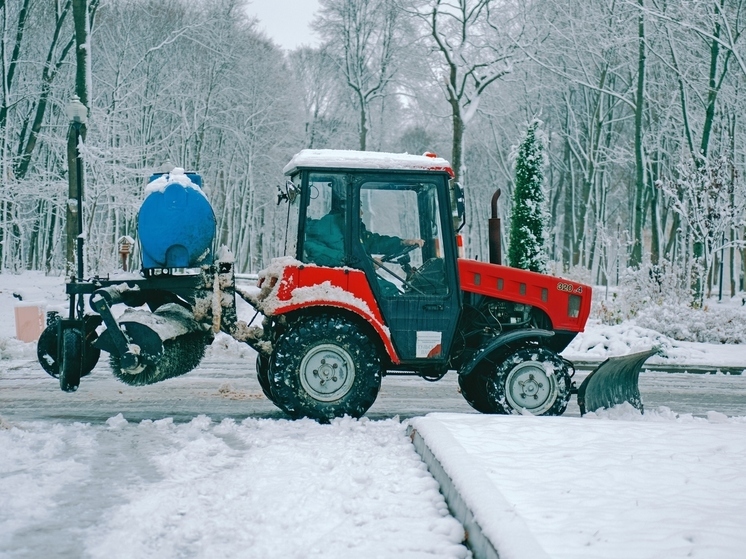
point(176, 224)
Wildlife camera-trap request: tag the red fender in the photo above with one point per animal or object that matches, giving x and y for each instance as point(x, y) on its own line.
point(288, 285)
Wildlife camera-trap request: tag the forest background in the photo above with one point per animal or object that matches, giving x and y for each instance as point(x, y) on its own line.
point(641, 105)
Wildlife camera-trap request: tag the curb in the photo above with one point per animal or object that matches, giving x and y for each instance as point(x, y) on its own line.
point(477, 542)
point(514, 540)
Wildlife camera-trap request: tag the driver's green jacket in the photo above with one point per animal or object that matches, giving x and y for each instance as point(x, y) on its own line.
point(324, 244)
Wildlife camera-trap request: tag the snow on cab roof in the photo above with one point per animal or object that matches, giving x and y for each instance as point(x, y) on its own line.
point(348, 159)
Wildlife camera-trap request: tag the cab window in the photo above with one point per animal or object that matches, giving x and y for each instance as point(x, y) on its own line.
point(401, 233)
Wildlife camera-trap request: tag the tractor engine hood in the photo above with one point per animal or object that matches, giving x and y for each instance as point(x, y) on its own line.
point(566, 303)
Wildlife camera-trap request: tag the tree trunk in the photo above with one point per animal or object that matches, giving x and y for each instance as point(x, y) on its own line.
point(363, 123)
point(457, 147)
point(712, 86)
point(637, 215)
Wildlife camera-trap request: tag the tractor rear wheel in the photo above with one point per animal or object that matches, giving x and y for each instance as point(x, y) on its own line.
point(533, 380)
point(71, 360)
point(324, 367)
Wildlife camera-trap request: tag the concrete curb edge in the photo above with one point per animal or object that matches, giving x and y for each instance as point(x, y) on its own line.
point(480, 546)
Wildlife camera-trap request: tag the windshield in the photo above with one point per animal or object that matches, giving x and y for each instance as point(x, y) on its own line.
point(326, 220)
point(293, 199)
point(402, 234)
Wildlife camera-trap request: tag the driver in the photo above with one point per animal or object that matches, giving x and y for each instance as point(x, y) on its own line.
point(375, 243)
point(324, 244)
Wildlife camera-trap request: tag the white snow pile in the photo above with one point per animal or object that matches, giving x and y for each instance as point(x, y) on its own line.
point(602, 340)
point(710, 324)
point(349, 159)
point(613, 485)
point(657, 301)
point(258, 488)
point(176, 176)
point(29, 288)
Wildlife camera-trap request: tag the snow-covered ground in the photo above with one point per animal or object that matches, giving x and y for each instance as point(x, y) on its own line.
point(600, 341)
point(258, 488)
point(613, 484)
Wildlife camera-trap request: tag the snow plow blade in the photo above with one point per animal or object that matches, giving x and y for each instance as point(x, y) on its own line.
point(613, 382)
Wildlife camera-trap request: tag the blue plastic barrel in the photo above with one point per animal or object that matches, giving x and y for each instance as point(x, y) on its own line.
point(176, 224)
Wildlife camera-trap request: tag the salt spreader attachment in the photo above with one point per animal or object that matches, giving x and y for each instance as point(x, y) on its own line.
point(180, 282)
point(372, 284)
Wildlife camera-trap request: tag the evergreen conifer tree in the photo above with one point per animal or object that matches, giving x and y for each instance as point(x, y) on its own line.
point(527, 221)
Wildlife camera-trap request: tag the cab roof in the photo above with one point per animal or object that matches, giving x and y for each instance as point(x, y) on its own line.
point(348, 159)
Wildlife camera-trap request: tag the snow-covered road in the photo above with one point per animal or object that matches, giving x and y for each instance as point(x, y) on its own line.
point(225, 385)
point(98, 477)
point(257, 488)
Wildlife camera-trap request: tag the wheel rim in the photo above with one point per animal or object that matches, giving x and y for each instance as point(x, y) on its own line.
point(528, 386)
point(327, 372)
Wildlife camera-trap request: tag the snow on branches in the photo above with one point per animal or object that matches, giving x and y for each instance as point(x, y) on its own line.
point(710, 201)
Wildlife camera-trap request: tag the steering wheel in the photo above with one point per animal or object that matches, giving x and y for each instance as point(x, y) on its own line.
point(405, 249)
point(429, 277)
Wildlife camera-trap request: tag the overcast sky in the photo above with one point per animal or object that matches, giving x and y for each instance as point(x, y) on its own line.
point(287, 22)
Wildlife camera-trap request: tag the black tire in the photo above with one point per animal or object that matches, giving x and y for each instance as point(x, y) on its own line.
point(46, 351)
point(324, 367)
point(533, 380)
point(71, 360)
point(474, 390)
point(262, 375)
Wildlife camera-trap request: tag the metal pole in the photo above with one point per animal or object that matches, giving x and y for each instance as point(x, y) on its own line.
point(79, 197)
point(720, 281)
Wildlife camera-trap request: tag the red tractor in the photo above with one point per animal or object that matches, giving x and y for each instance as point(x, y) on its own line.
point(371, 284)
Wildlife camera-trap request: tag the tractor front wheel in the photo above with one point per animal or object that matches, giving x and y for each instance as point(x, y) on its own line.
point(473, 388)
point(324, 367)
point(262, 375)
point(533, 380)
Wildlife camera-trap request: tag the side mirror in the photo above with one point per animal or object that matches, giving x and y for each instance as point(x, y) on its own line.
point(287, 194)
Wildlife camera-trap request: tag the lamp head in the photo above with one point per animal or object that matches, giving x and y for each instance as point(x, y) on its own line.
point(77, 112)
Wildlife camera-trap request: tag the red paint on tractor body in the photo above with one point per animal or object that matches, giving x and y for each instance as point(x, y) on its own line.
point(566, 303)
point(353, 282)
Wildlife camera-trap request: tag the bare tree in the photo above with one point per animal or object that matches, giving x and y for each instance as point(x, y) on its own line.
point(363, 36)
point(477, 43)
point(318, 80)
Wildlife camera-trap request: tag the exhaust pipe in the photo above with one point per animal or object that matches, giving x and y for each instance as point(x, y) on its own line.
point(495, 232)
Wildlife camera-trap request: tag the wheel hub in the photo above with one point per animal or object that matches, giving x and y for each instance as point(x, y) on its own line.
point(327, 372)
point(528, 386)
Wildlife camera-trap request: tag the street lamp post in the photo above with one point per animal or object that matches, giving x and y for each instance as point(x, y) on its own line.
point(77, 114)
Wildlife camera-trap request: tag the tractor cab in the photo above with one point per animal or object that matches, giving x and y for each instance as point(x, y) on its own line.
point(392, 222)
